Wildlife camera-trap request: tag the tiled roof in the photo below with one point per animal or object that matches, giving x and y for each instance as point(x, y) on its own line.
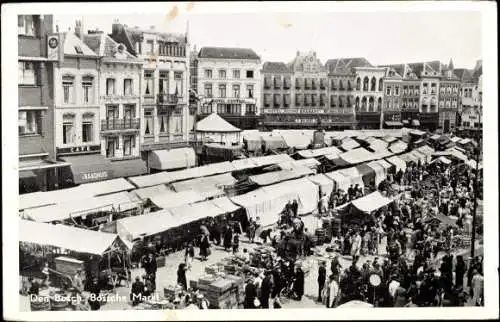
point(104, 45)
point(463, 74)
point(345, 65)
point(478, 72)
point(227, 53)
point(275, 67)
point(398, 68)
point(75, 46)
point(417, 68)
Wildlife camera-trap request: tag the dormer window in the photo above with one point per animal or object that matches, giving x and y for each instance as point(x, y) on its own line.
point(78, 50)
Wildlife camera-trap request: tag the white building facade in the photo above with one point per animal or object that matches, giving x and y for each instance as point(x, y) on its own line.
point(228, 83)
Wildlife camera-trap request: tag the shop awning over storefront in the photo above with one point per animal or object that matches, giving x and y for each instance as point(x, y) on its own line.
point(371, 202)
point(89, 168)
point(39, 164)
point(129, 168)
point(172, 159)
point(77, 208)
point(67, 237)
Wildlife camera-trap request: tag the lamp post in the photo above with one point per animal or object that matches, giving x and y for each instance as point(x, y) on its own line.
point(476, 188)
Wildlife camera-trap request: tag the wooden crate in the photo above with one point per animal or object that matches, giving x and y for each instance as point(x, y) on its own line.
point(68, 265)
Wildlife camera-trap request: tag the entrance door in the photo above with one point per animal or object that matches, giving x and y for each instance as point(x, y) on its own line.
point(111, 147)
point(446, 126)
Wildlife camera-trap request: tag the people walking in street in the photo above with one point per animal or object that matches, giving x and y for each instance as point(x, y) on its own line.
point(265, 289)
point(181, 276)
point(204, 247)
point(136, 291)
point(298, 284)
point(477, 286)
point(250, 294)
point(321, 279)
point(460, 269)
point(189, 255)
point(228, 238)
point(95, 291)
point(333, 292)
point(236, 243)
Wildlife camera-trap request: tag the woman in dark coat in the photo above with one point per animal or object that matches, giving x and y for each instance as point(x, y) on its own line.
point(265, 290)
point(204, 247)
point(181, 276)
point(228, 238)
point(460, 269)
point(94, 290)
point(250, 295)
point(298, 284)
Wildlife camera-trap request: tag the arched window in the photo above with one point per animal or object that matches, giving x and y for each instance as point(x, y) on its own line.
point(373, 86)
point(379, 104)
point(371, 107)
point(358, 84)
point(363, 103)
point(365, 84)
point(357, 102)
point(380, 85)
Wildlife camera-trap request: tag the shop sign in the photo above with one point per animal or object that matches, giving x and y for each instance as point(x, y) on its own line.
point(294, 111)
point(94, 176)
point(79, 149)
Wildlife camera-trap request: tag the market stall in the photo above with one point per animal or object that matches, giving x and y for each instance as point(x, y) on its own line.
point(354, 176)
point(68, 249)
point(286, 174)
point(367, 173)
point(388, 168)
point(380, 172)
point(341, 181)
point(308, 163)
point(349, 144)
point(174, 199)
point(87, 212)
point(207, 187)
point(314, 153)
point(398, 147)
point(398, 162)
point(295, 139)
point(324, 182)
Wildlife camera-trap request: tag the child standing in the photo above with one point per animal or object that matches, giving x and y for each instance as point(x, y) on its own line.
point(236, 243)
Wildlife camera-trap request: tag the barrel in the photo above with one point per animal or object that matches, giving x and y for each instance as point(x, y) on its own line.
point(43, 304)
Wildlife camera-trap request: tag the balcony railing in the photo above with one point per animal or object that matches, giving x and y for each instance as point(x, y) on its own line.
point(167, 99)
point(120, 124)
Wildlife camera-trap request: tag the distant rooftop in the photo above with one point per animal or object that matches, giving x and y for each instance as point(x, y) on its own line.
point(228, 53)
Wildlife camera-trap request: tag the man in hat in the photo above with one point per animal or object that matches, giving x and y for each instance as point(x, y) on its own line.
point(295, 207)
point(265, 289)
point(250, 294)
point(136, 291)
point(321, 278)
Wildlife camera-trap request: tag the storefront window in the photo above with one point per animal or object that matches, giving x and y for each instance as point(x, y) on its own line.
point(88, 128)
point(68, 128)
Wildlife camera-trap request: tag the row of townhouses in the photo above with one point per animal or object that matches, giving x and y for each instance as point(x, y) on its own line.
point(94, 106)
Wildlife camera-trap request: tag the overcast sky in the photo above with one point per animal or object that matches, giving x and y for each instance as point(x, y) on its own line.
point(381, 37)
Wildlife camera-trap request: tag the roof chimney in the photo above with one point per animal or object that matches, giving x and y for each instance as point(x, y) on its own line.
point(116, 27)
point(78, 29)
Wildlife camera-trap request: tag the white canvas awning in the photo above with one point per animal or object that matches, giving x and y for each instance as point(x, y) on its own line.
point(269, 178)
point(342, 182)
point(325, 183)
point(271, 159)
point(225, 204)
point(67, 237)
point(215, 123)
point(186, 214)
point(77, 208)
point(442, 159)
point(376, 144)
point(175, 199)
point(399, 163)
point(243, 164)
point(386, 165)
point(146, 193)
point(207, 186)
point(172, 159)
point(349, 144)
point(356, 156)
point(134, 227)
point(371, 202)
point(308, 163)
point(297, 140)
point(313, 153)
point(380, 173)
point(398, 147)
point(150, 180)
point(354, 175)
point(46, 198)
point(100, 188)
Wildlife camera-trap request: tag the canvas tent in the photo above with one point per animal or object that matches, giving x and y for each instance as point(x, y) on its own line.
point(206, 186)
point(296, 139)
point(399, 163)
point(269, 178)
point(175, 199)
point(145, 193)
point(77, 208)
point(371, 202)
point(325, 183)
point(349, 144)
point(273, 142)
point(67, 237)
point(313, 153)
point(367, 173)
point(388, 168)
point(134, 227)
point(380, 173)
point(443, 160)
point(341, 181)
point(354, 176)
point(268, 202)
point(398, 147)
